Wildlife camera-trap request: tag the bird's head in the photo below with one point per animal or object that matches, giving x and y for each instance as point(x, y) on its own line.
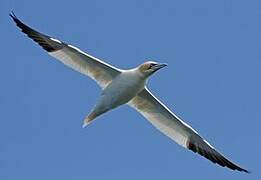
point(150, 67)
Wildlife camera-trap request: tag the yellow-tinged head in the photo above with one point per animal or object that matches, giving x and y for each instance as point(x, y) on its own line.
point(150, 67)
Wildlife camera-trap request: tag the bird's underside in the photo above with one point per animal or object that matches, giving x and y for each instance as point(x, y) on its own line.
point(144, 102)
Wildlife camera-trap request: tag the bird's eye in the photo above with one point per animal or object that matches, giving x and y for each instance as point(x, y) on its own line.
point(151, 65)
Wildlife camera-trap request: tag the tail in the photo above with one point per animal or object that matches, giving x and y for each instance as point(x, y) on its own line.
point(89, 119)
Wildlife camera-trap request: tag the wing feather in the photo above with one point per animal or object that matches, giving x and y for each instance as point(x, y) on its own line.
point(71, 56)
point(169, 124)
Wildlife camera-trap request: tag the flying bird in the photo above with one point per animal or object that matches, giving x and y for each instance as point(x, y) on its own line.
point(127, 87)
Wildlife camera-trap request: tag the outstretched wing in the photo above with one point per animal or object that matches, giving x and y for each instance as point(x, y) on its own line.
point(169, 124)
point(71, 56)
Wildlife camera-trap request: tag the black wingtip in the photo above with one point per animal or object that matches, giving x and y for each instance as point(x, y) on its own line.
point(246, 171)
point(219, 159)
point(12, 15)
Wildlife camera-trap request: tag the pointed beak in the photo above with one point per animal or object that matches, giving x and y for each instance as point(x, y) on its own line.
point(159, 66)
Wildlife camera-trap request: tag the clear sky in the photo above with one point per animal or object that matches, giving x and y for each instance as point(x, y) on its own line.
point(213, 49)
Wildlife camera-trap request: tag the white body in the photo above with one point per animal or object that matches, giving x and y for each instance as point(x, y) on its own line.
point(121, 90)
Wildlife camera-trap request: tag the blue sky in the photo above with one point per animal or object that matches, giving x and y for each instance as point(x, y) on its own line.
point(212, 82)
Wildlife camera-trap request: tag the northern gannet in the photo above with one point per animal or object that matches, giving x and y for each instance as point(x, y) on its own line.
point(127, 87)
